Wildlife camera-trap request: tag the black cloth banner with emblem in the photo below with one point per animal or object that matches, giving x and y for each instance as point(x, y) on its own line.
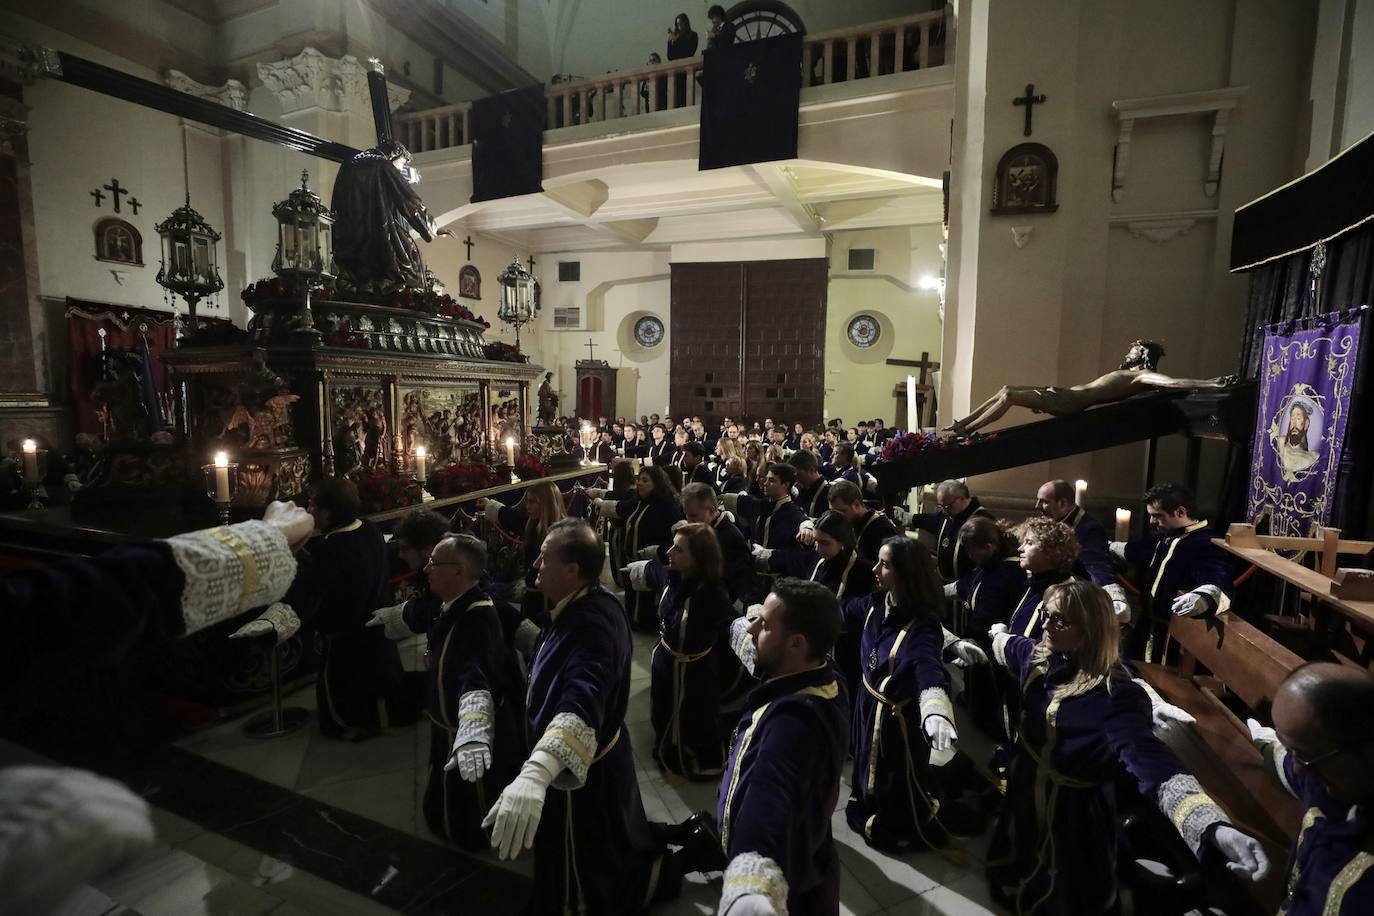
point(508, 144)
point(751, 92)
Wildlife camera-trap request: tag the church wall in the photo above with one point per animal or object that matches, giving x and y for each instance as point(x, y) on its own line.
point(616, 289)
point(1090, 276)
point(858, 383)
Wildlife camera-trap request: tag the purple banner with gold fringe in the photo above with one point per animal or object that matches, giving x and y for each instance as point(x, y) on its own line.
point(1305, 380)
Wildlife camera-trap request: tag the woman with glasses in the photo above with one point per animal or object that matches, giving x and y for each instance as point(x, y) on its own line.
point(902, 708)
point(1084, 725)
point(693, 607)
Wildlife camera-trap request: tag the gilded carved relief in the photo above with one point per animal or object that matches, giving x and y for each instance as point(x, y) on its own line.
point(447, 421)
point(359, 423)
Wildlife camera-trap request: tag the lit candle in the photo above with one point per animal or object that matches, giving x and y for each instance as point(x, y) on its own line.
point(30, 461)
point(510, 451)
point(1123, 524)
point(1080, 491)
point(420, 463)
point(221, 477)
point(912, 423)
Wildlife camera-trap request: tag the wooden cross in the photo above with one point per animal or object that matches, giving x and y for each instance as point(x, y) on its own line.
point(134, 204)
point(591, 356)
point(468, 242)
point(99, 196)
point(924, 364)
point(1030, 100)
point(115, 190)
point(531, 263)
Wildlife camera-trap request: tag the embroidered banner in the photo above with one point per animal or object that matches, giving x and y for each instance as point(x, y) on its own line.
point(1304, 400)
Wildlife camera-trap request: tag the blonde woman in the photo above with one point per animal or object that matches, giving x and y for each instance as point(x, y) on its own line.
point(541, 507)
point(726, 449)
point(1085, 725)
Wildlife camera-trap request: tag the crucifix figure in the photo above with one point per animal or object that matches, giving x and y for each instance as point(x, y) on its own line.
point(1029, 100)
point(531, 263)
point(468, 243)
point(134, 205)
point(591, 355)
point(99, 196)
point(115, 190)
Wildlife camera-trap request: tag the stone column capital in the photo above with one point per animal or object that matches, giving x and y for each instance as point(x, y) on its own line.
point(313, 80)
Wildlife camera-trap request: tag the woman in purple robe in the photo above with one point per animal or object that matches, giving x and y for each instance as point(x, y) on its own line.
point(648, 516)
point(902, 708)
point(684, 691)
point(1084, 725)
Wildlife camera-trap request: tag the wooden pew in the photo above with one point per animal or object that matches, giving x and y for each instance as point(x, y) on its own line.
point(1217, 748)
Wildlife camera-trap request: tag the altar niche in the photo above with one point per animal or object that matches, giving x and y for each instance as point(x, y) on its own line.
point(118, 241)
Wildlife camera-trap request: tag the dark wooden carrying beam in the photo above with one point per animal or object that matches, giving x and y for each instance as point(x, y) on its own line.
point(77, 71)
point(1214, 414)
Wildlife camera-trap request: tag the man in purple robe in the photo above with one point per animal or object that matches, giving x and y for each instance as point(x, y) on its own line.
point(1321, 748)
point(594, 851)
point(775, 802)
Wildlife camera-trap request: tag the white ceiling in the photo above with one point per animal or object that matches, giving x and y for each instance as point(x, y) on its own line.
point(655, 205)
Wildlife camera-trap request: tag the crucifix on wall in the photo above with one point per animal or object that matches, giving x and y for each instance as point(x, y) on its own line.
point(115, 190)
point(468, 243)
point(1029, 100)
point(591, 347)
point(924, 392)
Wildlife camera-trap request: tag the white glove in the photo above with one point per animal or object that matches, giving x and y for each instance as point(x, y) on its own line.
point(87, 823)
point(255, 627)
point(472, 760)
point(1192, 604)
point(941, 733)
point(901, 515)
point(951, 590)
point(391, 621)
point(1118, 550)
point(278, 620)
point(595, 492)
point(969, 652)
point(996, 629)
point(1246, 855)
point(1119, 603)
point(1261, 735)
point(750, 905)
point(634, 572)
point(1163, 713)
point(514, 818)
point(292, 521)
point(759, 550)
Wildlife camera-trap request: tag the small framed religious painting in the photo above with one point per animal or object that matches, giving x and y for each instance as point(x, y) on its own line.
point(864, 331)
point(1027, 181)
point(649, 331)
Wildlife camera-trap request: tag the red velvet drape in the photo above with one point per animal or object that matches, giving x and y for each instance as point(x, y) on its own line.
point(124, 328)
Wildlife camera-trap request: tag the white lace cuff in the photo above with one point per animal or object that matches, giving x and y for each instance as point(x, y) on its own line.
point(476, 718)
point(751, 873)
point(572, 743)
point(1191, 810)
point(526, 635)
point(638, 580)
point(493, 511)
point(934, 701)
point(230, 570)
point(947, 638)
point(1274, 754)
point(999, 648)
point(741, 643)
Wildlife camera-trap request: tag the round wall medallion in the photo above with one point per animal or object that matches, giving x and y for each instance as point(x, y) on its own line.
point(649, 331)
point(864, 331)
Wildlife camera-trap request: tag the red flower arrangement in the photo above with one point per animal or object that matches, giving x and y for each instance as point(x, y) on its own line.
point(380, 492)
point(457, 479)
point(528, 467)
point(905, 446)
point(427, 301)
point(343, 335)
point(503, 353)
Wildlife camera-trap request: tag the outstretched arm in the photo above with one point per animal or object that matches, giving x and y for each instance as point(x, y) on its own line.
point(1160, 380)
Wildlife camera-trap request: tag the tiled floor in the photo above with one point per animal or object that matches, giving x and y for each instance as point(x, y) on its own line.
point(197, 871)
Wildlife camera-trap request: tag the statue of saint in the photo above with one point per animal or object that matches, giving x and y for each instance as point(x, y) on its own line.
point(1136, 375)
point(375, 209)
point(548, 401)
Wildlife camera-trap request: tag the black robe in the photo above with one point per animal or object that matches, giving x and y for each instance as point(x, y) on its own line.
point(954, 563)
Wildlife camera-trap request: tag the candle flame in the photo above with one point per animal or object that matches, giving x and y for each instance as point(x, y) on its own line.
point(419, 451)
point(221, 459)
point(510, 440)
point(30, 446)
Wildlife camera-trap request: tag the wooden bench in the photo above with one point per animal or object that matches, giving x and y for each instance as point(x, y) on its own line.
point(1217, 748)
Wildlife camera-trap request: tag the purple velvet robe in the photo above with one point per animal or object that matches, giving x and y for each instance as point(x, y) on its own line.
point(775, 801)
point(904, 682)
point(1054, 846)
point(1168, 565)
point(1332, 869)
point(684, 689)
point(648, 523)
point(1094, 557)
point(593, 851)
point(954, 563)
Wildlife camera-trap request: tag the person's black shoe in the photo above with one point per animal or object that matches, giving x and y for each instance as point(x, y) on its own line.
point(700, 842)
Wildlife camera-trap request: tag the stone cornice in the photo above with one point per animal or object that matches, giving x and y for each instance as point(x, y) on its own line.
point(232, 94)
point(312, 80)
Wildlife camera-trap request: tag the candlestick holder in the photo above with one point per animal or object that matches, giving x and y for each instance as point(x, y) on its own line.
point(34, 466)
point(221, 481)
